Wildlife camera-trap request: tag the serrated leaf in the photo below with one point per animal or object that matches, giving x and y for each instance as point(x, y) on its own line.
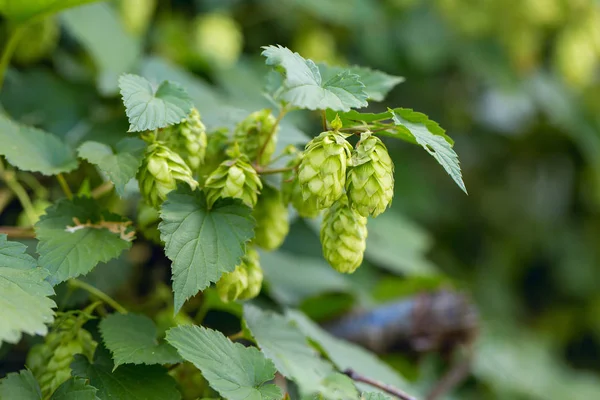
point(426, 133)
point(131, 382)
point(287, 347)
point(304, 87)
point(131, 338)
point(20, 385)
point(75, 389)
point(203, 244)
point(345, 355)
point(235, 371)
point(377, 83)
point(151, 108)
point(25, 305)
point(23, 10)
point(31, 149)
point(69, 248)
point(120, 165)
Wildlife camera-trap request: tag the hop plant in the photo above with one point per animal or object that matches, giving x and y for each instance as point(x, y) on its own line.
point(245, 281)
point(234, 178)
point(50, 361)
point(189, 140)
point(292, 192)
point(271, 215)
point(148, 219)
point(159, 173)
point(256, 133)
point(322, 171)
point(343, 237)
point(251, 262)
point(370, 180)
point(215, 152)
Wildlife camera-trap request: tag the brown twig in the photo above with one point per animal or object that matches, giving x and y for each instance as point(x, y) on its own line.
point(452, 378)
point(382, 386)
point(18, 233)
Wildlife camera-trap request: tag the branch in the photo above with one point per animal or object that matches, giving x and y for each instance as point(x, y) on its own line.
point(272, 171)
point(382, 386)
point(76, 283)
point(275, 125)
point(18, 233)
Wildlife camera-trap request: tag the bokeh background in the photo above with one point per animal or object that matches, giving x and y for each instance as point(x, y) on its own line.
point(515, 83)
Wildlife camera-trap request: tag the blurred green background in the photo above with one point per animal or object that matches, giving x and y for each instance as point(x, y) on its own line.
point(516, 83)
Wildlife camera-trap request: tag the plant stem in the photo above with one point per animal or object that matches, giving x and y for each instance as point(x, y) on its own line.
point(13, 184)
point(35, 185)
point(65, 186)
point(237, 336)
point(282, 113)
point(76, 283)
point(9, 49)
point(18, 233)
point(274, 170)
point(102, 189)
point(382, 386)
point(6, 197)
point(324, 119)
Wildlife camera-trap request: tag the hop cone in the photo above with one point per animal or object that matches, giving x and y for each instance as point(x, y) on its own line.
point(232, 284)
point(189, 140)
point(215, 152)
point(50, 361)
point(251, 262)
point(292, 193)
point(343, 237)
point(322, 171)
point(148, 219)
point(159, 173)
point(271, 215)
point(234, 178)
point(256, 130)
point(370, 181)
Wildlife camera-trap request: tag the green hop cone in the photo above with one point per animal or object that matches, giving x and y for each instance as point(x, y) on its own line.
point(148, 219)
point(343, 237)
point(251, 262)
point(258, 130)
point(159, 173)
point(232, 284)
point(370, 180)
point(215, 152)
point(234, 178)
point(322, 171)
point(292, 192)
point(271, 215)
point(189, 140)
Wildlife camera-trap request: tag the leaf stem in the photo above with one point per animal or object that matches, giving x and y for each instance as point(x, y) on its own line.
point(76, 283)
point(102, 189)
point(9, 49)
point(324, 119)
point(237, 336)
point(65, 186)
point(274, 170)
point(382, 386)
point(18, 233)
point(10, 177)
point(282, 113)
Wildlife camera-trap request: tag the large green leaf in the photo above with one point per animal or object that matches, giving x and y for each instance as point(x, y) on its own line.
point(23, 10)
point(75, 389)
point(20, 385)
point(304, 87)
point(131, 338)
point(131, 382)
point(120, 165)
point(377, 83)
point(25, 305)
point(149, 107)
point(75, 235)
point(32, 149)
point(203, 244)
point(235, 371)
point(285, 345)
point(426, 133)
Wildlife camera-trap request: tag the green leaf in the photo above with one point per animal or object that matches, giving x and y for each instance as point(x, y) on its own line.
point(287, 347)
point(304, 87)
point(20, 385)
point(23, 10)
point(151, 108)
point(377, 83)
point(203, 244)
point(31, 149)
point(345, 355)
point(75, 235)
point(338, 386)
point(75, 389)
point(429, 134)
point(131, 382)
point(235, 371)
point(25, 305)
point(131, 338)
point(375, 396)
point(120, 165)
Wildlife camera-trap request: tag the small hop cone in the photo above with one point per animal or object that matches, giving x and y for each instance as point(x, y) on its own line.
point(232, 284)
point(159, 173)
point(343, 237)
point(322, 171)
point(370, 181)
point(234, 178)
point(215, 152)
point(256, 130)
point(292, 193)
point(251, 262)
point(148, 219)
point(272, 223)
point(189, 140)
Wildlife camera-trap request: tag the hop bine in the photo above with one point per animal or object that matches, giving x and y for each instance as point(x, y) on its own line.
point(370, 180)
point(257, 136)
point(245, 281)
point(322, 171)
point(188, 139)
point(271, 215)
point(343, 237)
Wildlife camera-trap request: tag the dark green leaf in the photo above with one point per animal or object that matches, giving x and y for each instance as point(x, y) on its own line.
point(75, 389)
point(377, 84)
point(20, 385)
point(203, 244)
